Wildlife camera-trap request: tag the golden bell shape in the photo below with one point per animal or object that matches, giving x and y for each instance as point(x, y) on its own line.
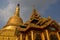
point(15, 19)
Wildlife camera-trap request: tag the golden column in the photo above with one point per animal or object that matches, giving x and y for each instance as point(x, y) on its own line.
point(21, 36)
point(32, 36)
point(16, 38)
point(43, 38)
point(26, 37)
point(47, 34)
point(58, 36)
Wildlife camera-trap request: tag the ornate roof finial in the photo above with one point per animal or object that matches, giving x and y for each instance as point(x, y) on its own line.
point(33, 6)
point(18, 4)
point(17, 10)
point(49, 17)
point(35, 13)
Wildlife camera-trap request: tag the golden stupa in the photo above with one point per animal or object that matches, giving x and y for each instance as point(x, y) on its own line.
point(15, 20)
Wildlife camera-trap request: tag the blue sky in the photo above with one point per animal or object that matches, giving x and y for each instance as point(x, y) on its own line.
point(45, 8)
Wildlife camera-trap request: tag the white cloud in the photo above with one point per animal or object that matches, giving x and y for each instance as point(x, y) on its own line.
point(6, 12)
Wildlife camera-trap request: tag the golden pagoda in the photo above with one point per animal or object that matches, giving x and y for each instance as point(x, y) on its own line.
point(36, 28)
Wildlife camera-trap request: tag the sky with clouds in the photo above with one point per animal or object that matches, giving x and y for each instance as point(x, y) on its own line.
point(45, 7)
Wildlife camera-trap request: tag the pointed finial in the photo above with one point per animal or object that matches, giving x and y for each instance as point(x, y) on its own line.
point(18, 4)
point(33, 6)
point(35, 13)
point(17, 10)
point(49, 17)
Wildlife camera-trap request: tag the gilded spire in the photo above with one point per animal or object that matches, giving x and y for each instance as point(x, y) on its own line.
point(17, 10)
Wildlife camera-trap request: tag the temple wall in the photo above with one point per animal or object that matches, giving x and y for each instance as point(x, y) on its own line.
point(7, 35)
point(7, 38)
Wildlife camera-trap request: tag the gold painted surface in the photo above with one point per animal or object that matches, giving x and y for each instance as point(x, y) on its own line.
point(7, 38)
point(15, 19)
point(47, 35)
point(58, 36)
point(43, 38)
point(26, 37)
point(32, 36)
point(10, 27)
point(21, 36)
point(17, 10)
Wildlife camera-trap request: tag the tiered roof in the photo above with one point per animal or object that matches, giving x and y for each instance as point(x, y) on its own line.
point(37, 22)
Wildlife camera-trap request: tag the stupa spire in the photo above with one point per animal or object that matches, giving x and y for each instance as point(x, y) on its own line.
point(17, 10)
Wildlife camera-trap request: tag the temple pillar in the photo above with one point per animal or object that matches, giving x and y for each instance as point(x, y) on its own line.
point(43, 38)
point(47, 35)
point(21, 36)
point(32, 35)
point(58, 36)
point(26, 38)
point(16, 38)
